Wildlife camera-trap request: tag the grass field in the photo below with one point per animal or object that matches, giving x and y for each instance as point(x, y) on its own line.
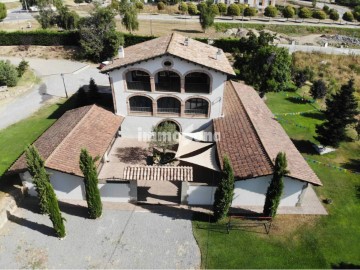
point(297, 241)
point(14, 139)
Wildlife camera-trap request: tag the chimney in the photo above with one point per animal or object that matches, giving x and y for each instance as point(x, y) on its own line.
point(121, 52)
point(186, 42)
point(218, 53)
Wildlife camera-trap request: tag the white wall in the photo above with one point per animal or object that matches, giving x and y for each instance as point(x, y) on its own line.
point(252, 192)
point(114, 192)
point(131, 123)
point(248, 193)
point(200, 195)
point(70, 187)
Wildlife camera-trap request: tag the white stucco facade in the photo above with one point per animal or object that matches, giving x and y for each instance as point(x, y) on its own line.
point(188, 123)
point(250, 192)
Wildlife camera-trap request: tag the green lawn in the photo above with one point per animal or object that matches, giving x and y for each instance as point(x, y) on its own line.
point(14, 139)
point(297, 241)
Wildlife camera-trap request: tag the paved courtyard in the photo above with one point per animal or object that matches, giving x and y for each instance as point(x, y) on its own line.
point(130, 237)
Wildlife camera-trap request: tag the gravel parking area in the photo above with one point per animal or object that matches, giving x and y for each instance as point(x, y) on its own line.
point(158, 237)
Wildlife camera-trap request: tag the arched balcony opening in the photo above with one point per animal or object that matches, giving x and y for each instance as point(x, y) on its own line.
point(138, 80)
point(167, 81)
point(168, 105)
point(197, 82)
point(140, 104)
point(197, 106)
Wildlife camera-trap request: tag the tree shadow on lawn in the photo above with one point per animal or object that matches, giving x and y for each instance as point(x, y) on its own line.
point(358, 191)
point(345, 265)
point(314, 115)
point(305, 147)
point(353, 165)
point(297, 100)
point(46, 230)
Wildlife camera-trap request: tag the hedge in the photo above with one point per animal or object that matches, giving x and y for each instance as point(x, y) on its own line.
point(39, 37)
point(71, 38)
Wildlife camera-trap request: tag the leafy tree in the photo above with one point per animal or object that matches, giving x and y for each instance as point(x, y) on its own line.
point(46, 18)
point(67, 19)
point(318, 89)
point(341, 109)
point(161, 6)
point(3, 11)
point(351, 3)
point(276, 187)
point(348, 16)
point(164, 136)
point(98, 37)
point(305, 13)
point(288, 12)
point(225, 191)
point(271, 11)
point(47, 198)
point(334, 15)
point(192, 9)
point(250, 12)
point(222, 8)
point(207, 16)
point(22, 67)
point(88, 168)
point(233, 10)
point(8, 74)
point(357, 129)
point(129, 18)
point(201, 6)
point(303, 75)
point(139, 5)
point(183, 7)
point(319, 14)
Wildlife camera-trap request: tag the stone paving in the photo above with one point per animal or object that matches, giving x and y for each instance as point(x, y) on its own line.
point(132, 237)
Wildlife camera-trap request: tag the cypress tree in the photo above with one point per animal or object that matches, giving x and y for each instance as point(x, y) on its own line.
point(88, 168)
point(46, 193)
point(35, 165)
point(225, 191)
point(340, 112)
point(275, 189)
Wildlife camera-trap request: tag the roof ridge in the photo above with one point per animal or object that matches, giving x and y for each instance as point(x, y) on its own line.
point(72, 131)
point(253, 126)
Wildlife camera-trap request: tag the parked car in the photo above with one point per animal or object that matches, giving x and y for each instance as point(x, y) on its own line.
point(103, 64)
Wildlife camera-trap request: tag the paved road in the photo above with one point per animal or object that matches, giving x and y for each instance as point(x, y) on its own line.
point(76, 74)
point(155, 239)
point(18, 15)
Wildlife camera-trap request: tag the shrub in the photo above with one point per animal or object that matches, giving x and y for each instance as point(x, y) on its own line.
point(88, 168)
point(270, 11)
point(326, 9)
point(318, 89)
point(8, 74)
point(242, 8)
point(22, 67)
point(222, 8)
point(3, 11)
point(334, 15)
point(183, 7)
point(250, 11)
point(201, 6)
point(288, 12)
point(233, 10)
point(348, 16)
point(215, 9)
point(160, 6)
point(319, 14)
point(192, 9)
point(303, 75)
point(305, 13)
point(139, 5)
point(225, 191)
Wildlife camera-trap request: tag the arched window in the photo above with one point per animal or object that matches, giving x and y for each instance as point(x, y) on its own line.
point(197, 106)
point(167, 81)
point(169, 105)
point(140, 104)
point(138, 80)
point(197, 82)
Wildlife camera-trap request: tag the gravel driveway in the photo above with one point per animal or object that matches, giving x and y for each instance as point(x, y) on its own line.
point(133, 238)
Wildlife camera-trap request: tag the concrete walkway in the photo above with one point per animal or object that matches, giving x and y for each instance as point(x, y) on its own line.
point(76, 74)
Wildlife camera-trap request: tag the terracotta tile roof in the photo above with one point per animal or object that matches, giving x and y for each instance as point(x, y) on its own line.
point(238, 139)
point(272, 136)
point(89, 127)
point(173, 44)
point(159, 173)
